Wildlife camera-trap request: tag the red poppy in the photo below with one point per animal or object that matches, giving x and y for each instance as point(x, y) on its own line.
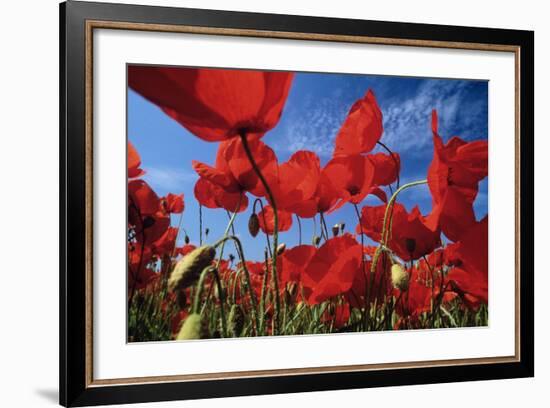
point(453, 177)
point(256, 271)
point(134, 161)
point(143, 279)
point(372, 222)
point(145, 216)
point(324, 200)
point(267, 220)
point(386, 168)
point(418, 297)
point(141, 195)
point(174, 203)
point(215, 104)
point(166, 243)
point(380, 284)
point(234, 174)
point(291, 264)
point(410, 237)
point(297, 180)
point(451, 254)
point(242, 170)
point(213, 196)
point(332, 269)
point(139, 273)
point(361, 129)
point(337, 315)
point(437, 258)
point(353, 176)
point(184, 250)
point(472, 277)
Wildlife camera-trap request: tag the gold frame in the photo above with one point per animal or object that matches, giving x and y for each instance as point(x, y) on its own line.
point(99, 24)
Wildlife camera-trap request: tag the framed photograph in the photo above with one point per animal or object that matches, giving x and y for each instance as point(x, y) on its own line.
point(256, 204)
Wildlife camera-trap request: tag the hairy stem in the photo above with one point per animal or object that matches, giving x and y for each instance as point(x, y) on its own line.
point(275, 228)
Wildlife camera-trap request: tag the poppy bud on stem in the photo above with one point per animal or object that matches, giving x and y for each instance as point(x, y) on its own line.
point(188, 269)
point(192, 328)
point(236, 320)
point(253, 225)
point(386, 229)
point(399, 277)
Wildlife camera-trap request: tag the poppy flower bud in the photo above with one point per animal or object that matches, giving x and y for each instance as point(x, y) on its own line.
point(191, 328)
point(316, 240)
point(281, 248)
point(186, 239)
point(399, 277)
point(188, 269)
point(253, 225)
point(236, 320)
point(335, 230)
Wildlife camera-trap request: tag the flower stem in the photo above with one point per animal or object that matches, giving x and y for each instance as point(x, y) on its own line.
point(275, 228)
point(247, 277)
point(386, 148)
point(363, 267)
point(386, 230)
point(200, 224)
point(198, 293)
point(299, 229)
point(258, 200)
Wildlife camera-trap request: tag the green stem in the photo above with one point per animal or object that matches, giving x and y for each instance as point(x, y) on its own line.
point(200, 224)
point(228, 228)
point(363, 267)
point(222, 301)
point(198, 293)
point(275, 229)
point(299, 230)
point(263, 295)
point(324, 225)
point(258, 200)
point(386, 231)
point(386, 148)
point(226, 233)
point(247, 276)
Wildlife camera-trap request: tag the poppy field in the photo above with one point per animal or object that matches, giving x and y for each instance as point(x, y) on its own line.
point(344, 231)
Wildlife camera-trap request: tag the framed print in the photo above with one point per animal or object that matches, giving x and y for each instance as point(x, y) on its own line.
point(255, 204)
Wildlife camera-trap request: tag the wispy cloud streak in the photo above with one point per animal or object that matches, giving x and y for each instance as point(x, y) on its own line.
point(406, 117)
point(169, 179)
point(407, 123)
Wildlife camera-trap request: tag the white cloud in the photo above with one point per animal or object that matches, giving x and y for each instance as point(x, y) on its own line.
point(316, 125)
point(407, 123)
point(169, 178)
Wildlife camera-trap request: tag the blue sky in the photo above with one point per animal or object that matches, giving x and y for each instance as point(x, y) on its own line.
point(316, 107)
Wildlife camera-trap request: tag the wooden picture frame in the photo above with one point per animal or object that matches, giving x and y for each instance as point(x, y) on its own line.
point(78, 20)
